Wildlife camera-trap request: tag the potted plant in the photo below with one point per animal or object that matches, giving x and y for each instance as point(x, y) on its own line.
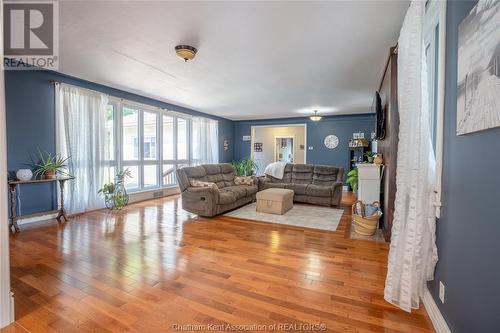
point(352, 179)
point(244, 167)
point(50, 165)
point(115, 195)
point(369, 156)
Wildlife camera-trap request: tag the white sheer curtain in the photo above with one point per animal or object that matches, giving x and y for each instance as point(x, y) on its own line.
point(205, 140)
point(413, 253)
point(81, 134)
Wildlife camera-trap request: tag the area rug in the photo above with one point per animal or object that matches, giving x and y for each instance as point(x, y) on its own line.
point(305, 216)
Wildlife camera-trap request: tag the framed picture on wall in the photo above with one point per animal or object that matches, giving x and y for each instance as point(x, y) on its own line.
point(478, 77)
point(257, 147)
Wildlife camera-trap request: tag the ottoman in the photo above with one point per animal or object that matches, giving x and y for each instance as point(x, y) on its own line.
point(275, 201)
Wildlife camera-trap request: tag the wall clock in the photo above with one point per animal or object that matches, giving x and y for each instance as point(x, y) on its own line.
point(331, 141)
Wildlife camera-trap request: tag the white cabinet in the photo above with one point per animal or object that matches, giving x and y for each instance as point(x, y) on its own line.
point(369, 176)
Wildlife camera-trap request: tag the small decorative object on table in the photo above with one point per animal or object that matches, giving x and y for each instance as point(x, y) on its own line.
point(115, 194)
point(378, 159)
point(24, 174)
point(365, 217)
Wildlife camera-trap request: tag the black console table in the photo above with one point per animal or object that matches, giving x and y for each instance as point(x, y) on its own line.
point(61, 213)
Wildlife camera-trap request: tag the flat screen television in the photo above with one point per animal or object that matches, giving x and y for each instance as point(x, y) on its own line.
point(379, 117)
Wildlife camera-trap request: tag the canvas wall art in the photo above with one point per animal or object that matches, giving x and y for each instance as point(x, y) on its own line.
point(478, 101)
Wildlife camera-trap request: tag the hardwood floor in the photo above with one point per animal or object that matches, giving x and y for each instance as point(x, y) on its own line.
point(153, 266)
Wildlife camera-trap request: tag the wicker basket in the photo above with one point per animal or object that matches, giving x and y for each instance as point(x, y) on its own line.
point(365, 225)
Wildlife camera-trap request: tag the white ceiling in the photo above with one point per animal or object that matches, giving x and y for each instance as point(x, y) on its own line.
point(255, 60)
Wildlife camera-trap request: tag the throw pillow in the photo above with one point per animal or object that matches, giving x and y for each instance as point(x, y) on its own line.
point(371, 209)
point(199, 183)
point(248, 180)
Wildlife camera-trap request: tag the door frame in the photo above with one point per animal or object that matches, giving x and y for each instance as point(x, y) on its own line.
point(285, 137)
point(252, 136)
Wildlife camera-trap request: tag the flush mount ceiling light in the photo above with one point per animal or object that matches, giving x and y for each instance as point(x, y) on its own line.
point(185, 52)
point(315, 116)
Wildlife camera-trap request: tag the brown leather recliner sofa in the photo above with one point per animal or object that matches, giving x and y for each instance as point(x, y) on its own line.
point(210, 201)
point(313, 184)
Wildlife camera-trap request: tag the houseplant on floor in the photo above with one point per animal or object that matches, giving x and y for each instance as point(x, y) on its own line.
point(244, 167)
point(50, 165)
point(352, 179)
point(115, 194)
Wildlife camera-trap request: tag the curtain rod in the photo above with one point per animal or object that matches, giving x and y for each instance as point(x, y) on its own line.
point(55, 82)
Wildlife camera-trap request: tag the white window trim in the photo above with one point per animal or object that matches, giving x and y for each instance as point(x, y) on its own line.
point(441, 19)
point(121, 164)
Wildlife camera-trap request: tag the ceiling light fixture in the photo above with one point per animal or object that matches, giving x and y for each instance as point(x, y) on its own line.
point(185, 52)
point(315, 116)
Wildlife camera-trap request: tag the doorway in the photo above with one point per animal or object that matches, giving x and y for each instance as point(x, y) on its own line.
point(283, 149)
point(269, 141)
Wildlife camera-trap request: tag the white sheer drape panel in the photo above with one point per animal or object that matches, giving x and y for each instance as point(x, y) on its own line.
point(205, 141)
point(413, 253)
point(81, 134)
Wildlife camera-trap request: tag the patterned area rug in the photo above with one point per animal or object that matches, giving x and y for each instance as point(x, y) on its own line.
point(307, 216)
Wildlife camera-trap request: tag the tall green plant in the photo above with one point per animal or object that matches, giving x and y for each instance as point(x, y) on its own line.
point(244, 167)
point(352, 179)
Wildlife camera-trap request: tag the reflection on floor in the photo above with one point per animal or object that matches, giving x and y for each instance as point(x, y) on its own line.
point(153, 266)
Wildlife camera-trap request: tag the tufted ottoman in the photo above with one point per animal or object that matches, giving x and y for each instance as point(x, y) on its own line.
point(275, 201)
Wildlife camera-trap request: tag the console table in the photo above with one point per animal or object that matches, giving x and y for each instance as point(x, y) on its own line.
point(61, 214)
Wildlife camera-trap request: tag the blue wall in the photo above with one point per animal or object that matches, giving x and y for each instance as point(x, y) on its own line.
point(31, 125)
point(468, 233)
point(341, 126)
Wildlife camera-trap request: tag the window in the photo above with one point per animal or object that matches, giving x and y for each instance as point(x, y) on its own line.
point(150, 133)
point(110, 147)
point(168, 138)
point(130, 128)
point(182, 139)
point(154, 143)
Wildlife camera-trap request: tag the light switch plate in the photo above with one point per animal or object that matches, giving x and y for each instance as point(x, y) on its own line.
point(441, 291)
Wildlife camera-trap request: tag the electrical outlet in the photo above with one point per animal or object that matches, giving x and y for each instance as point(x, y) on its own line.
point(441, 291)
point(310, 147)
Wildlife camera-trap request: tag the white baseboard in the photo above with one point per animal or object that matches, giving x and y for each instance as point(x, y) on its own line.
point(435, 315)
point(39, 218)
point(12, 314)
point(153, 194)
point(133, 197)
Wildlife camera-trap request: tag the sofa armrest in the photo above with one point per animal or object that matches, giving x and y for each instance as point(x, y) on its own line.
point(337, 188)
point(203, 194)
point(261, 181)
point(337, 184)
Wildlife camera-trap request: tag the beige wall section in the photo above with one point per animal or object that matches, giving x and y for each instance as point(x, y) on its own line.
point(266, 135)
